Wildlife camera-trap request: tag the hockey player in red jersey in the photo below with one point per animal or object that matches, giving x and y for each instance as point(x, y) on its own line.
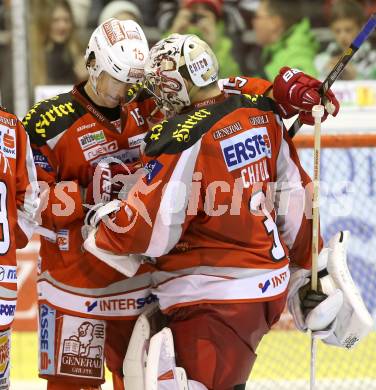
point(18, 205)
point(86, 307)
point(224, 206)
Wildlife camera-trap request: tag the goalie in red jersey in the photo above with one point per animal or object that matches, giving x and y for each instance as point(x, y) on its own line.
point(225, 208)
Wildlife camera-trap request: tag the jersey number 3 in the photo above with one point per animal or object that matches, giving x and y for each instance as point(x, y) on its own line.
point(4, 225)
point(257, 206)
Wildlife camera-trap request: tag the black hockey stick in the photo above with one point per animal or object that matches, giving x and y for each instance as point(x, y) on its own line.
point(340, 65)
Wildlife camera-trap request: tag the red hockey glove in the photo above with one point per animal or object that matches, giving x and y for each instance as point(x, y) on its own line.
point(108, 181)
point(296, 92)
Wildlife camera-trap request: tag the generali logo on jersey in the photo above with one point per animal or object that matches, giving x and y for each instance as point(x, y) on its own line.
point(88, 140)
point(81, 348)
point(99, 150)
point(113, 32)
point(228, 130)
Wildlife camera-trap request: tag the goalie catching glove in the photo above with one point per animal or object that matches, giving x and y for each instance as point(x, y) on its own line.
point(296, 93)
point(336, 313)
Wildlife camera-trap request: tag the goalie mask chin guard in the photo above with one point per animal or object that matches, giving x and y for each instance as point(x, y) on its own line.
point(173, 60)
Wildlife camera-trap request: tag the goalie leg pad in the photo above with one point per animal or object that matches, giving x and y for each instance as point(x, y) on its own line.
point(161, 370)
point(135, 358)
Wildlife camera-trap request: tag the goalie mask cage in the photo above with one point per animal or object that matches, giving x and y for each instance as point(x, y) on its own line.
point(347, 202)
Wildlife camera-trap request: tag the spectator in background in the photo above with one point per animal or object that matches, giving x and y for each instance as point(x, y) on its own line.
point(122, 10)
point(55, 48)
point(285, 37)
point(6, 68)
point(204, 19)
point(346, 19)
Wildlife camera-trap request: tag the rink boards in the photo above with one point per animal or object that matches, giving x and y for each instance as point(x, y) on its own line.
point(282, 363)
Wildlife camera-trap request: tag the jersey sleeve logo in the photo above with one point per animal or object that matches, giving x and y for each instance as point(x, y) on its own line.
point(8, 141)
point(153, 167)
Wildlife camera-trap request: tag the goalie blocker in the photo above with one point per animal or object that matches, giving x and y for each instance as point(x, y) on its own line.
point(341, 317)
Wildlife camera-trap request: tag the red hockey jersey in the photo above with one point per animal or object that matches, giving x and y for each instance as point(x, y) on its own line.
point(69, 136)
point(18, 204)
point(225, 205)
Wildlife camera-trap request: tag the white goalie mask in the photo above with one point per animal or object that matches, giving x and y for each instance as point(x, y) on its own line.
point(170, 61)
point(120, 48)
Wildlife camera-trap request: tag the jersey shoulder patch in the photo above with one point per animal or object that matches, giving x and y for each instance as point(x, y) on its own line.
point(181, 132)
point(48, 118)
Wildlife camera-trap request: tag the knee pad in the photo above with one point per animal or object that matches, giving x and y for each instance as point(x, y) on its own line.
point(70, 347)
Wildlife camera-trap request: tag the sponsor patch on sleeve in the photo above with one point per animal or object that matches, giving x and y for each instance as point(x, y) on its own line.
point(246, 148)
point(41, 161)
point(8, 141)
point(153, 167)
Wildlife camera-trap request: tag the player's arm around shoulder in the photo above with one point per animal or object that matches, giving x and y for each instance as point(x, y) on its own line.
point(150, 220)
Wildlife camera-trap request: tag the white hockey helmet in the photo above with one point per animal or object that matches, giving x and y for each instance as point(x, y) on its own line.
point(174, 58)
point(120, 48)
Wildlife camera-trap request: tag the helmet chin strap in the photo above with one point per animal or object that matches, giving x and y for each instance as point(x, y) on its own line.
point(93, 82)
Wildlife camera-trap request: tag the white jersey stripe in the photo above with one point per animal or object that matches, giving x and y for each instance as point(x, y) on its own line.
point(290, 195)
point(172, 210)
point(26, 216)
point(189, 289)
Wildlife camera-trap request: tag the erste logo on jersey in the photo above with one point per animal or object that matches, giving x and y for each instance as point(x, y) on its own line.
point(8, 141)
point(47, 316)
point(246, 148)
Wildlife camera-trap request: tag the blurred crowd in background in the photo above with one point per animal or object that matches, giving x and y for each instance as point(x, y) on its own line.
point(250, 37)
